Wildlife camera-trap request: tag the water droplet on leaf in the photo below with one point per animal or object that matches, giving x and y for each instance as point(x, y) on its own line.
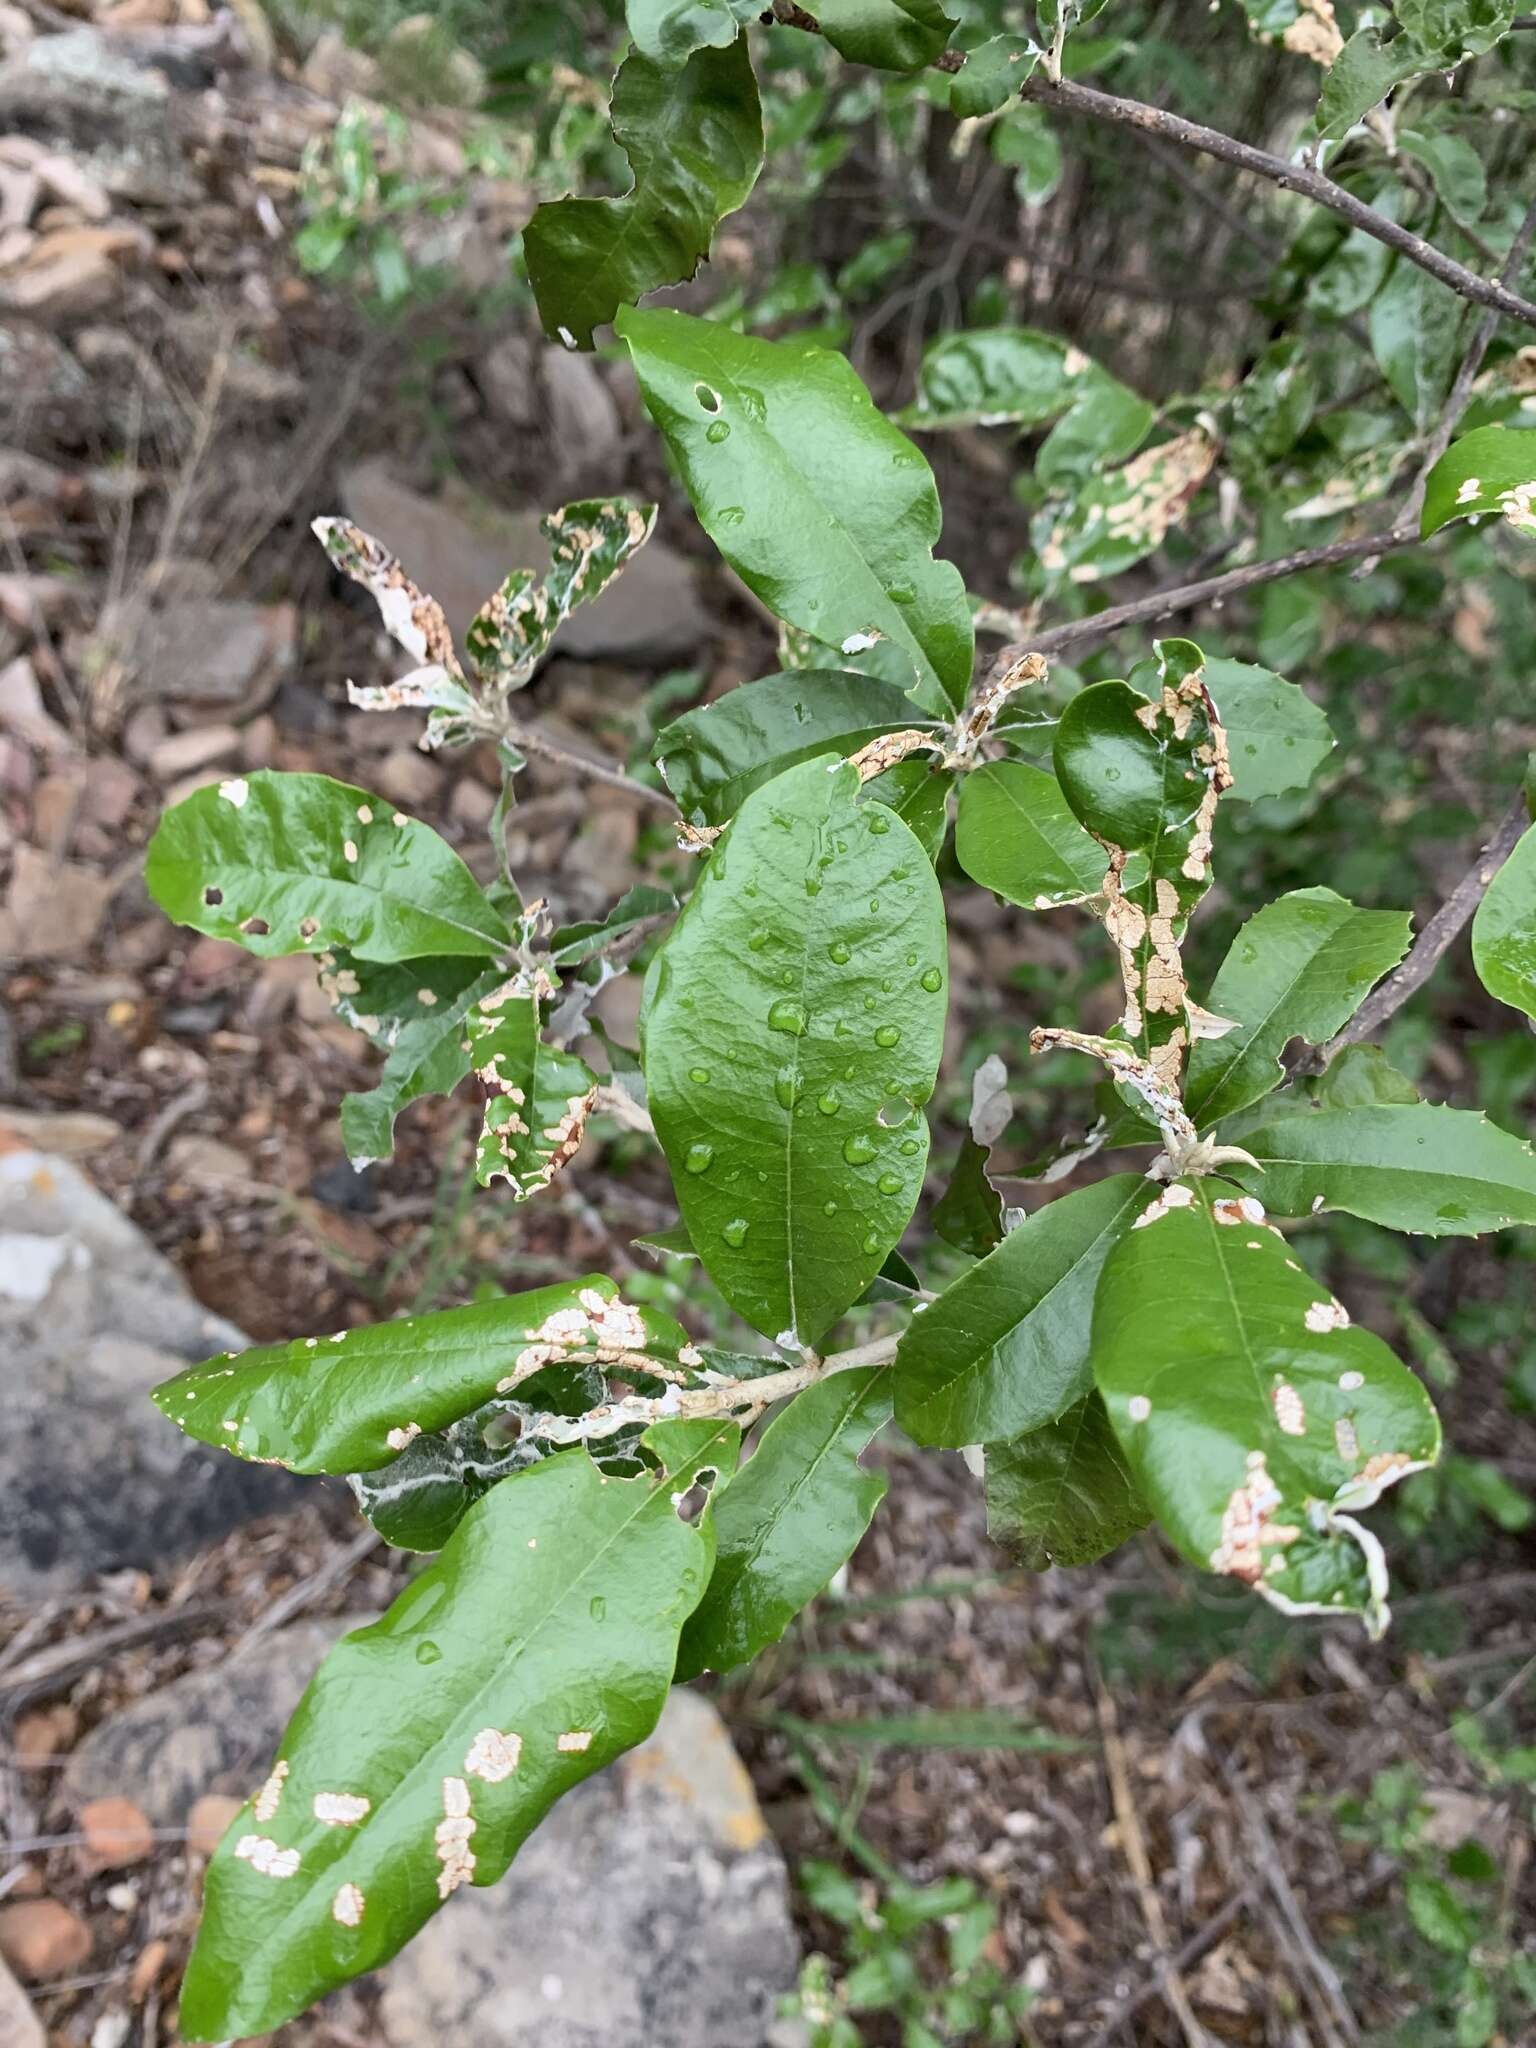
point(788, 1015)
point(735, 1232)
point(697, 1158)
point(859, 1149)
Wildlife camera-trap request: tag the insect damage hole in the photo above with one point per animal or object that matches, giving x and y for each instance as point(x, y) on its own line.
point(691, 1502)
point(212, 897)
point(256, 927)
point(709, 400)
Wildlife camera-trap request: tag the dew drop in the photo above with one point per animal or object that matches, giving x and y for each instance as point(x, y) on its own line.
point(840, 952)
point(718, 431)
point(758, 939)
point(911, 1146)
point(879, 822)
point(787, 977)
point(911, 959)
point(889, 1183)
point(874, 902)
point(872, 1242)
point(829, 1208)
point(859, 1149)
point(786, 1086)
point(887, 1036)
point(427, 1652)
point(788, 1015)
point(698, 1157)
point(932, 980)
point(699, 1074)
point(597, 1607)
point(731, 515)
point(830, 1103)
point(735, 1232)
point(812, 886)
point(902, 593)
point(870, 1003)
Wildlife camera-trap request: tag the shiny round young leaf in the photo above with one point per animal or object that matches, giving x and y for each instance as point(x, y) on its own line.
point(300, 864)
point(1255, 1418)
point(1016, 835)
point(538, 1647)
point(792, 1032)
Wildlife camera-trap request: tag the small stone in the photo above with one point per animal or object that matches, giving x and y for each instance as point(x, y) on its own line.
point(147, 1965)
point(198, 747)
point(195, 1156)
point(41, 1938)
point(20, 2026)
point(46, 1730)
point(471, 804)
point(408, 777)
point(209, 1819)
point(116, 1835)
point(52, 908)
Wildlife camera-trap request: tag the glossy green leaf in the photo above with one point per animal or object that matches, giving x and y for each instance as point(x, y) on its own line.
point(969, 1213)
point(793, 1026)
point(572, 944)
point(1020, 376)
point(355, 1400)
point(538, 1098)
point(1255, 1418)
point(1361, 76)
point(1004, 1349)
point(1016, 835)
point(792, 1518)
point(537, 1648)
point(918, 790)
point(299, 863)
point(1492, 469)
point(1359, 1077)
point(1418, 1166)
point(713, 758)
point(1277, 738)
point(1504, 929)
point(991, 75)
point(669, 31)
point(1064, 1493)
point(892, 35)
point(693, 134)
point(383, 998)
point(1299, 968)
point(1025, 138)
point(428, 1057)
point(825, 509)
point(1460, 181)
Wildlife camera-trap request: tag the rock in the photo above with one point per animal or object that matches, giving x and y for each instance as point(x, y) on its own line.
point(208, 1820)
point(662, 1860)
point(52, 907)
point(117, 1834)
point(581, 417)
point(22, 711)
point(200, 746)
point(209, 1162)
point(72, 1133)
point(650, 614)
point(408, 777)
point(69, 272)
point(91, 1317)
point(91, 96)
point(41, 1938)
point(20, 2026)
point(209, 650)
point(335, 71)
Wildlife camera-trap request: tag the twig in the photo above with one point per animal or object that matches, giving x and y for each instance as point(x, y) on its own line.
point(1133, 1842)
point(298, 1597)
point(1289, 177)
point(52, 1669)
point(530, 741)
point(1203, 1939)
point(1431, 944)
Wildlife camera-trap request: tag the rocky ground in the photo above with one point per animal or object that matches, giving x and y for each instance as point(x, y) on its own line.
point(1162, 1768)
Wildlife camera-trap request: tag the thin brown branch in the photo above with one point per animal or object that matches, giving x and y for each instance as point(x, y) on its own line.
point(1288, 177)
point(528, 740)
point(1431, 945)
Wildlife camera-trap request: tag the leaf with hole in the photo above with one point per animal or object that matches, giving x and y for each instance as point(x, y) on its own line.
point(301, 864)
point(792, 1032)
point(430, 1744)
point(538, 1097)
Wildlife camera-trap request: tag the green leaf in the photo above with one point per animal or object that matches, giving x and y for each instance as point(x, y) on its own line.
point(694, 138)
point(1117, 517)
point(893, 35)
point(299, 863)
point(1416, 324)
point(1000, 376)
point(383, 998)
point(574, 944)
point(1004, 1349)
point(538, 1097)
point(1016, 835)
point(1418, 1167)
point(419, 1498)
point(669, 31)
point(1359, 1077)
point(1299, 968)
point(1025, 138)
point(354, 1401)
point(1460, 181)
point(428, 1057)
point(537, 1648)
point(1277, 738)
point(1362, 75)
point(1437, 1913)
point(917, 790)
point(1504, 929)
point(792, 1517)
point(969, 1213)
point(991, 75)
point(793, 1026)
point(1255, 1419)
point(713, 758)
point(1455, 29)
point(1063, 1494)
point(1492, 469)
point(820, 504)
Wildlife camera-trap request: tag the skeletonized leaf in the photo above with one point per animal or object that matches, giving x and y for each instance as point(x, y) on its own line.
point(892, 35)
point(538, 1099)
point(1277, 738)
point(1299, 968)
point(804, 1502)
point(1064, 1493)
point(383, 998)
point(1016, 835)
point(1255, 1418)
point(537, 1648)
point(821, 505)
point(590, 541)
point(792, 1032)
point(713, 758)
point(1415, 1166)
point(694, 138)
point(1119, 517)
point(353, 1401)
point(1504, 929)
point(1004, 1349)
point(1492, 469)
point(299, 863)
point(418, 1499)
point(427, 1057)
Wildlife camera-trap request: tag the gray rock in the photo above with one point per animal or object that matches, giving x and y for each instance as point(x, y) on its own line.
point(208, 650)
point(91, 1317)
point(649, 1911)
point(20, 2026)
point(650, 614)
point(89, 94)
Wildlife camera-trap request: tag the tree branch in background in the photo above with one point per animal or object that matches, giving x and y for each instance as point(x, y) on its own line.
point(530, 741)
point(1290, 177)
